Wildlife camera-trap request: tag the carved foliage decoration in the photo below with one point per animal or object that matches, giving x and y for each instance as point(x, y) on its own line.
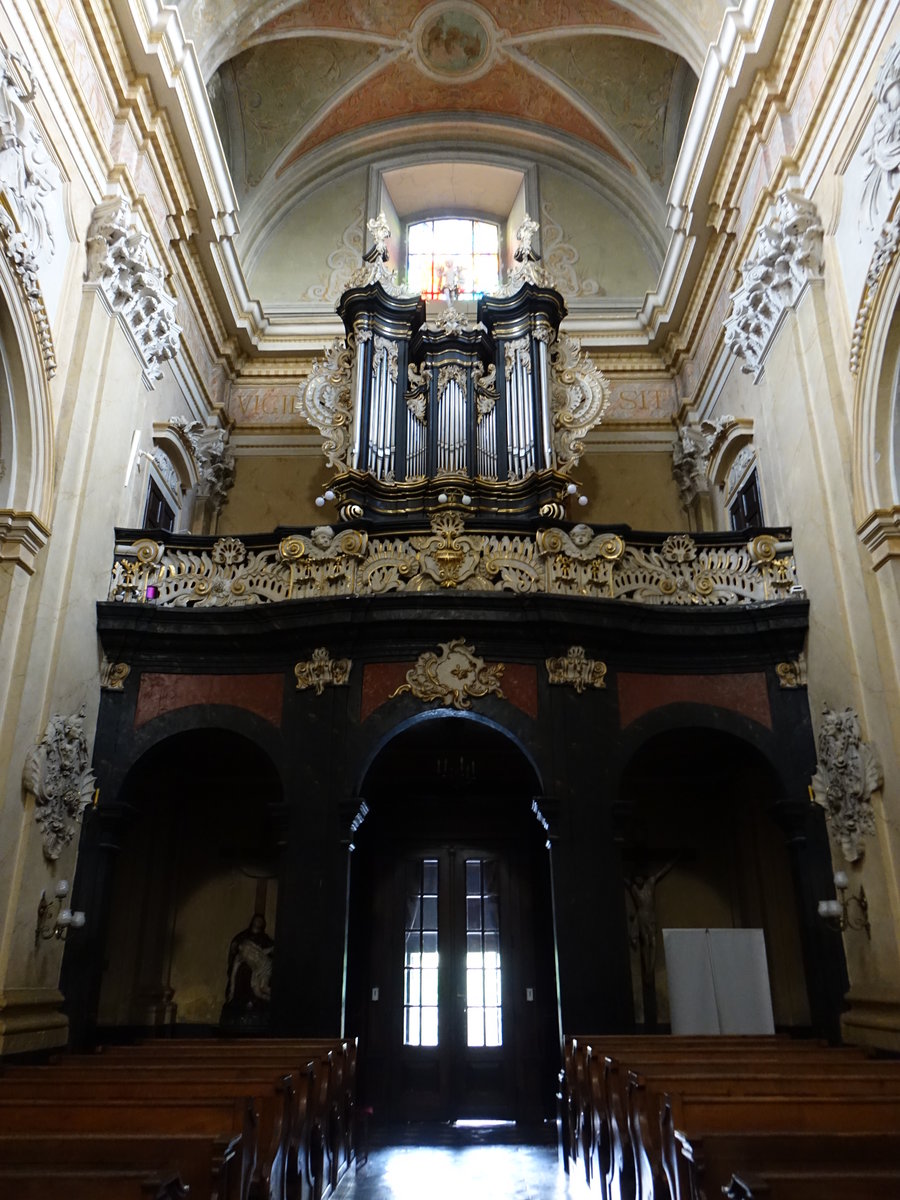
point(691, 454)
point(577, 670)
point(847, 775)
point(579, 396)
point(326, 402)
point(881, 152)
point(786, 254)
point(581, 562)
point(118, 260)
point(212, 457)
point(884, 253)
point(453, 676)
point(27, 179)
point(57, 773)
point(322, 670)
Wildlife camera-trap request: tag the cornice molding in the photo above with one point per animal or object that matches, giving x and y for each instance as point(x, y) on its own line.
point(22, 536)
point(880, 534)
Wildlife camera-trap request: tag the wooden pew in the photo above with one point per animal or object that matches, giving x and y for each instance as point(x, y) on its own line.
point(232, 1119)
point(712, 1159)
point(616, 1110)
point(274, 1100)
point(811, 1184)
point(39, 1183)
point(202, 1164)
point(301, 1089)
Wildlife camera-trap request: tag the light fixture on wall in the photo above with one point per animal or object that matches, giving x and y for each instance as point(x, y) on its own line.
point(56, 923)
point(847, 912)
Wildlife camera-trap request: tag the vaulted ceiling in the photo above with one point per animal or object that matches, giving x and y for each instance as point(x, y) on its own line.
point(306, 92)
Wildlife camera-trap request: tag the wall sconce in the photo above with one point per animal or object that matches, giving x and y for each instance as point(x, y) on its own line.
point(56, 924)
point(840, 914)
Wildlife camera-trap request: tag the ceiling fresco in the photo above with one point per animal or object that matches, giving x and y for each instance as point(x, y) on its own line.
point(320, 71)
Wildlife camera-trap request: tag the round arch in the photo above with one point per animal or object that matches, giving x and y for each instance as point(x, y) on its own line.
point(876, 424)
point(26, 429)
point(172, 867)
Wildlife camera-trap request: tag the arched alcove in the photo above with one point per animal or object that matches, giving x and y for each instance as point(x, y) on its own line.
point(451, 982)
point(199, 860)
point(704, 850)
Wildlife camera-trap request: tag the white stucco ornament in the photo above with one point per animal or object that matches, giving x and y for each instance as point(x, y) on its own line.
point(118, 260)
point(848, 773)
point(212, 457)
point(57, 773)
point(881, 150)
point(786, 254)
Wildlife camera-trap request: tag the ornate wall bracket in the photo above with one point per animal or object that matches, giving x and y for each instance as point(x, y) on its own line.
point(118, 262)
point(113, 675)
point(452, 677)
point(691, 454)
point(322, 671)
point(577, 670)
point(786, 254)
point(792, 674)
point(57, 773)
point(208, 446)
point(848, 773)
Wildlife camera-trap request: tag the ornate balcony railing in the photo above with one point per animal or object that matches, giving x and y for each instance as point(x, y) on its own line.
point(657, 569)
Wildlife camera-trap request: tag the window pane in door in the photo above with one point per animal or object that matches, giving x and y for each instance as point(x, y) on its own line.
point(483, 978)
point(420, 990)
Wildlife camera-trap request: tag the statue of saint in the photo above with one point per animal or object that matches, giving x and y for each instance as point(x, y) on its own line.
point(249, 975)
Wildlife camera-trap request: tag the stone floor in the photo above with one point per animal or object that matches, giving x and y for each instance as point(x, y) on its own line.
point(449, 1163)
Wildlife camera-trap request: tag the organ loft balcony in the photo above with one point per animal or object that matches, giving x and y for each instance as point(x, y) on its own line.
point(452, 445)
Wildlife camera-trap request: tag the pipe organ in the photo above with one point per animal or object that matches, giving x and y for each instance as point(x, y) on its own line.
point(443, 403)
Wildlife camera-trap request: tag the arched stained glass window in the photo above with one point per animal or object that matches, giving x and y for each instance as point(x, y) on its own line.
point(453, 258)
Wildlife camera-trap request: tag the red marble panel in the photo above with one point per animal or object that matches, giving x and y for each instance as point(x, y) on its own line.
point(162, 693)
point(380, 681)
point(746, 694)
point(519, 684)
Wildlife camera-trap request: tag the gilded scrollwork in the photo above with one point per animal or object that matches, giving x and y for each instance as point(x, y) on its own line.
point(452, 677)
point(577, 670)
point(677, 569)
point(792, 673)
point(321, 671)
point(579, 396)
point(325, 400)
point(113, 675)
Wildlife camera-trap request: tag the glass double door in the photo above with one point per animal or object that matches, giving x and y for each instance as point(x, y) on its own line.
point(454, 977)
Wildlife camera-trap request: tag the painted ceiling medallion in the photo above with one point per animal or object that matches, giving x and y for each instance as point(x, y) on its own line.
point(453, 42)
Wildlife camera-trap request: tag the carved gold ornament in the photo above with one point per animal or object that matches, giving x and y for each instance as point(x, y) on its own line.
point(322, 670)
point(113, 675)
point(580, 561)
point(453, 676)
point(577, 670)
point(791, 674)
